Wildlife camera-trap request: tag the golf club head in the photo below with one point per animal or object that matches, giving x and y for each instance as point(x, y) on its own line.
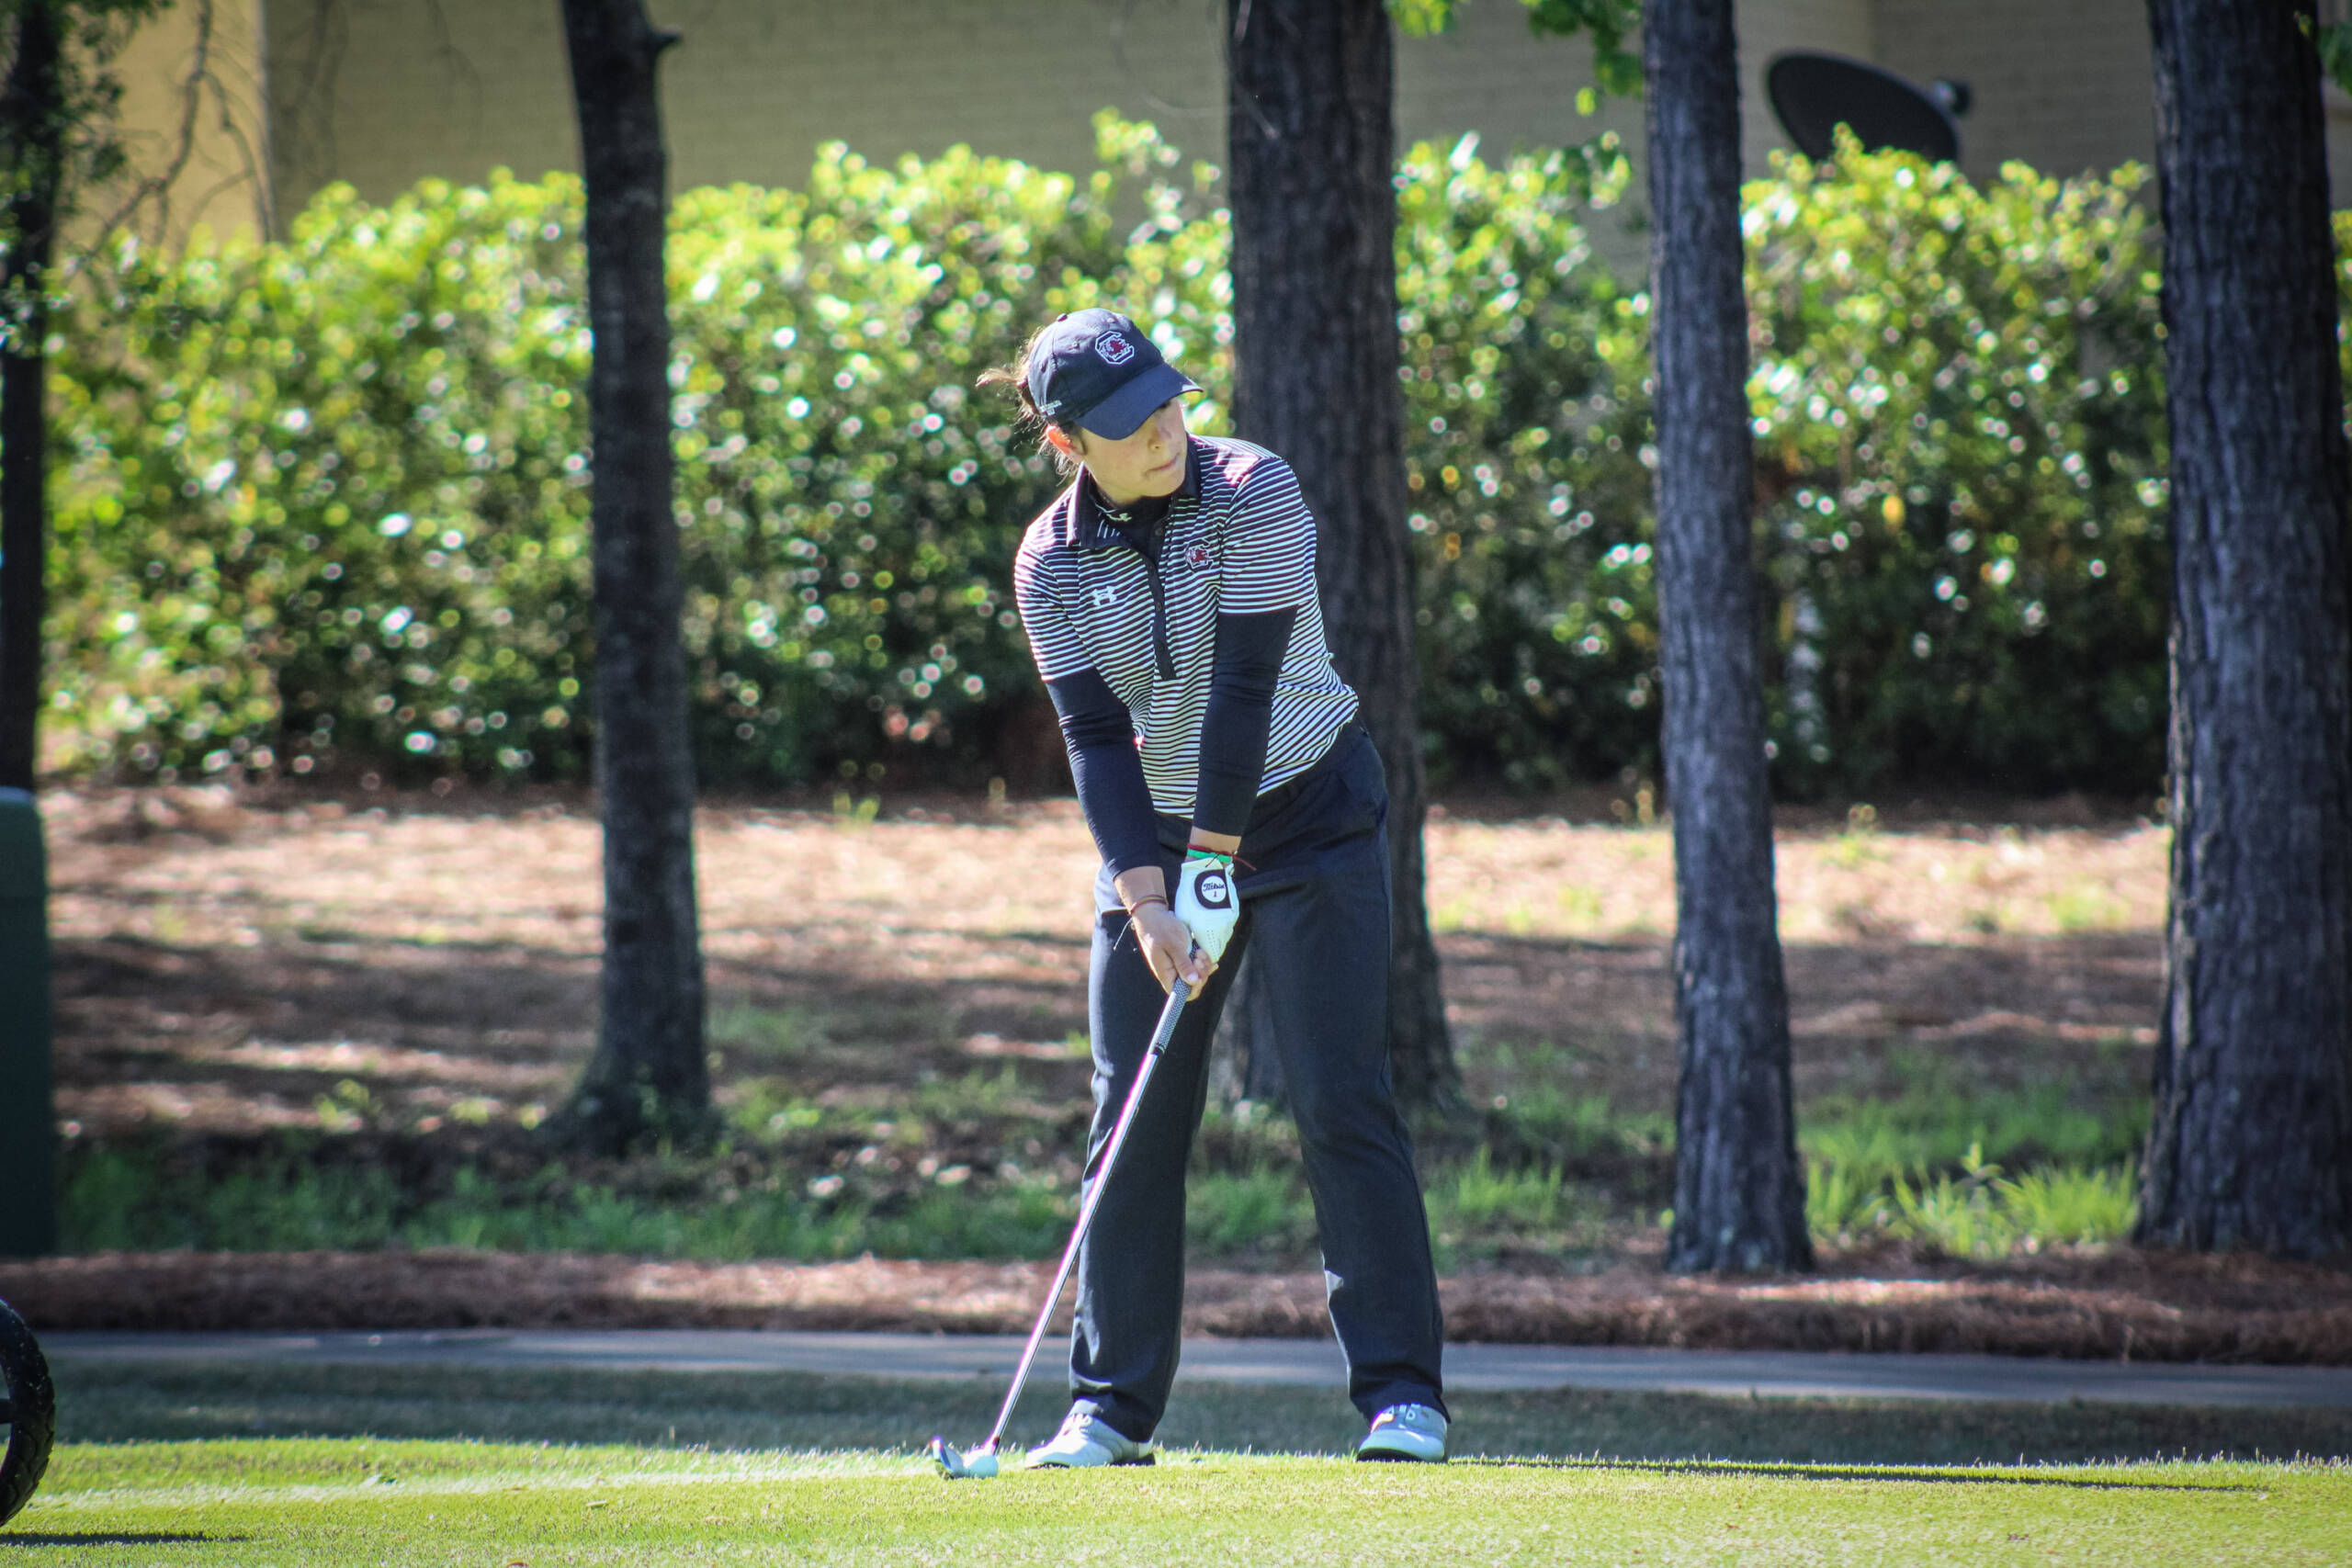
point(978, 1465)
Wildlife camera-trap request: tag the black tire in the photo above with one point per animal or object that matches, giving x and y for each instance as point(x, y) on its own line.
point(29, 1414)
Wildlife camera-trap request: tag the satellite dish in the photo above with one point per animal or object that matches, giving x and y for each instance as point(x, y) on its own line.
point(1813, 93)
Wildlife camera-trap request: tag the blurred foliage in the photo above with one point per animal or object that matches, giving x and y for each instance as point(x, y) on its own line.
point(1524, 417)
point(1960, 437)
point(329, 499)
point(2343, 226)
point(331, 494)
point(63, 147)
point(2334, 41)
point(323, 502)
point(1959, 424)
point(1609, 24)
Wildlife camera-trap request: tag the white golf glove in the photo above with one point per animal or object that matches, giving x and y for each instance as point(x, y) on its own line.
point(1206, 900)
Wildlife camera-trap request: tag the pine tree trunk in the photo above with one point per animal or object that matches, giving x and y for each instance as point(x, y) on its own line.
point(2251, 1144)
point(32, 128)
point(648, 1079)
point(1310, 165)
point(1739, 1191)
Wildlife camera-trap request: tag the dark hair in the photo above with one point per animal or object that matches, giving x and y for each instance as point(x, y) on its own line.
point(1016, 376)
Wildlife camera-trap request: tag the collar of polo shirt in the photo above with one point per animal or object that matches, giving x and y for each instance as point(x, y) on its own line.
point(1095, 527)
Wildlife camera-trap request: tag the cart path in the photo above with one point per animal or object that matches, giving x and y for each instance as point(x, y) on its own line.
point(1812, 1374)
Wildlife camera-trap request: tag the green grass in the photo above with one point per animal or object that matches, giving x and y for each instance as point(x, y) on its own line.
point(103, 1405)
point(1479, 1208)
point(2089, 909)
point(1935, 1123)
point(341, 1502)
point(1979, 1212)
point(774, 1033)
point(211, 1465)
point(133, 1199)
point(1565, 1124)
point(984, 1165)
point(1973, 1171)
point(1234, 1212)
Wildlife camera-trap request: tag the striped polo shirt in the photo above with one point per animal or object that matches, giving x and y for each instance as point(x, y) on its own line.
point(1140, 605)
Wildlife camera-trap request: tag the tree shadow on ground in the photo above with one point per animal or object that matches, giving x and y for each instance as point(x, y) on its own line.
point(115, 1538)
point(240, 1039)
point(1928, 1474)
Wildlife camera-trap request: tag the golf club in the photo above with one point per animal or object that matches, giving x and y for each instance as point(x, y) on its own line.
point(979, 1463)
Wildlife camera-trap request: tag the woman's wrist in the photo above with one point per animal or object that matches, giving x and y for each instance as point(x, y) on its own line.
point(1139, 885)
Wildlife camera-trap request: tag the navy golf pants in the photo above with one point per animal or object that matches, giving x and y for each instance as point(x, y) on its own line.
point(1315, 917)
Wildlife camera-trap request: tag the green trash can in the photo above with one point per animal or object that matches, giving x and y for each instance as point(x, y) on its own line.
point(28, 1092)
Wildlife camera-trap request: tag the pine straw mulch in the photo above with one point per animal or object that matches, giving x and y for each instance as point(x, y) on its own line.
point(2121, 1303)
point(228, 963)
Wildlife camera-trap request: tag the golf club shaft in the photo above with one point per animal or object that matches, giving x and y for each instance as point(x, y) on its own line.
point(1162, 1035)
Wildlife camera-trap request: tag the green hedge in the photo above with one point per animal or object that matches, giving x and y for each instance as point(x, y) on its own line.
point(338, 510)
point(1960, 427)
point(323, 502)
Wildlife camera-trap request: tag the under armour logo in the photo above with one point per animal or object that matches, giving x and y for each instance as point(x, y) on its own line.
point(1105, 597)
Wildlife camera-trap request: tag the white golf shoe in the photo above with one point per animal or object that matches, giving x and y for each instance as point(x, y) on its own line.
point(1409, 1432)
point(1087, 1440)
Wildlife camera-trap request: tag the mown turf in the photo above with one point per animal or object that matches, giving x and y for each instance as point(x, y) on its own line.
point(114, 1402)
point(214, 1504)
point(198, 1464)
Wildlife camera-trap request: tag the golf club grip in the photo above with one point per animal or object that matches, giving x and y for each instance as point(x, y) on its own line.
point(1161, 1033)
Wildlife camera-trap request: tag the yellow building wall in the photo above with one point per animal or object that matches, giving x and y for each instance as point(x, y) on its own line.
point(382, 93)
point(1840, 26)
point(2064, 88)
point(193, 125)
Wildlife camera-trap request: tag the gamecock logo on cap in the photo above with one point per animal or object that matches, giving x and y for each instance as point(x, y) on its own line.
point(1114, 348)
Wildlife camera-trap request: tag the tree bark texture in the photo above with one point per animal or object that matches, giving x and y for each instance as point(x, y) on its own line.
point(1739, 1191)
point(1311, 160)
point(32, 131)
point(2251, 1144)
point(648, 1077)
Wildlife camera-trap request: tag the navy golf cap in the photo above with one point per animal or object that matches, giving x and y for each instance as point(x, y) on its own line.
point(1097, 370)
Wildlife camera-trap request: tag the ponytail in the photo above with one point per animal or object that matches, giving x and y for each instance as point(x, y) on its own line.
point(1031, 422)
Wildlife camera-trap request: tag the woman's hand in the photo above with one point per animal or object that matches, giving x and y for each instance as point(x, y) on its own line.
point(1206, 900)
point(1167, 942)
point(1168, 947)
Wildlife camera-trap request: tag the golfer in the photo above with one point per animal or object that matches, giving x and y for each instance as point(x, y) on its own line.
point(1168, 594)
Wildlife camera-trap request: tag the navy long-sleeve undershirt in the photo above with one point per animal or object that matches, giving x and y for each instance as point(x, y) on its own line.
point(1100, 738)
point(1240, 713)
